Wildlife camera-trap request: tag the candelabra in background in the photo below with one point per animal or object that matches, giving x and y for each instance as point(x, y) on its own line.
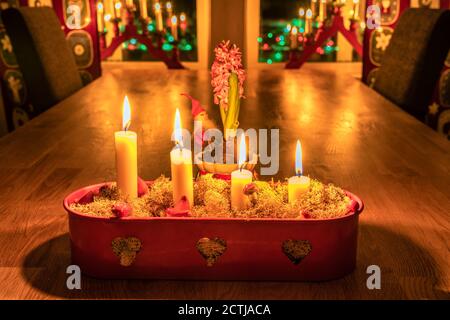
point(130, 28)
point(329, 22)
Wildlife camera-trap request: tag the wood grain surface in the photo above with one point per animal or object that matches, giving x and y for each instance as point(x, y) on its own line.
point(351, 136)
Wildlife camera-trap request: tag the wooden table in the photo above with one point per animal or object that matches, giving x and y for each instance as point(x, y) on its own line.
point(351, 136)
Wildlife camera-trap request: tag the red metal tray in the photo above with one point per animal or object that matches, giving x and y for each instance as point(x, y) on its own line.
point(212, 248)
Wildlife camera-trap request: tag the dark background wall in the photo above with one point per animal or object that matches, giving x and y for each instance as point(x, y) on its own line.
point(227, 23)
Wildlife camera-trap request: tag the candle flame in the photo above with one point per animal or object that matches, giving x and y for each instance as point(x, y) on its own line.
point(157, 6)
point(118, 5)
point(288, 27)
point(168, 5)
point(242, 152)
point(174, 20)
point(177, 129)
point(298, 159)
point(294, 30)
point(301, 12)
point(182, 17)
point(126, 114)
point(309, 14)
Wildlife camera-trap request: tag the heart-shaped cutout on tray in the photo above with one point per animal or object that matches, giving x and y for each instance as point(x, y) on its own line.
point(296, 250)
point(211, 249)
point(126, 249)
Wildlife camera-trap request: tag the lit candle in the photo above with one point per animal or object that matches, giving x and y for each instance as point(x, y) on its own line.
point(181, 166)
point(239, 179)
point(183, 23)
point(289, 27)
point(174, 27)
point(118, 9)
point(143, 9)
point(129, 3)
point(298, 185)
point(355, 9)
point(158, 16)
point(308, 23)
point(169, 9)
point(313, 7)
point(100, 17)
point(322, 10)
point(294, 42)
point(301, 14)
point(126, 156)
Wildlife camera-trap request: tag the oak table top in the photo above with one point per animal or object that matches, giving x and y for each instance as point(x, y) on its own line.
point(351, 136)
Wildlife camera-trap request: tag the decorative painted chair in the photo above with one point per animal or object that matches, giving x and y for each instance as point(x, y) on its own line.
point(44, 57)
point(413, 60)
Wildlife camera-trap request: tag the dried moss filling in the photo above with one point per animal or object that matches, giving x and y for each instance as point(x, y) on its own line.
point(212, 199)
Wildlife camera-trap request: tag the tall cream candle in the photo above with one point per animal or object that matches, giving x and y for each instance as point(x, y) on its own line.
point(183, 23)
point(308, 22)
point(181, 167)
point(174, 27)
point(239, 179)
point(158, 17)
point(143, 8)
point(293, 38)
point(100, 17)
point(169, 9)
point(355, 9)
point(118, 9)
point(126, 156)
point(313, 8)
point(298, 185)
point(301, 15)
point(322, 10)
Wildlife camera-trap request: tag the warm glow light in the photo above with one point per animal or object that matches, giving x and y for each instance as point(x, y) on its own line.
point(288, 27)
point(298, 159)
point(100, 6)
point(107, 17)
point(242, 152)
point(118, 5)
point(308, 14)
point(174, 20)
point(177, 129)
point(355, 1)
point(126, 114)
point(294, 30)
point(157, 6)
point(168, 5)
point(182, 17)
point(301, 12)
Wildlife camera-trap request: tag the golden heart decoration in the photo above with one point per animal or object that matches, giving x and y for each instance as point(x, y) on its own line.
point(296, 250)
point(126, 249)
point(211, 249)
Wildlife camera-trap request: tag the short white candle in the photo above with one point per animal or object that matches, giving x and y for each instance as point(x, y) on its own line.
point(239, 179)
point(126, 156)
point(298, 185)
point(181, 167)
